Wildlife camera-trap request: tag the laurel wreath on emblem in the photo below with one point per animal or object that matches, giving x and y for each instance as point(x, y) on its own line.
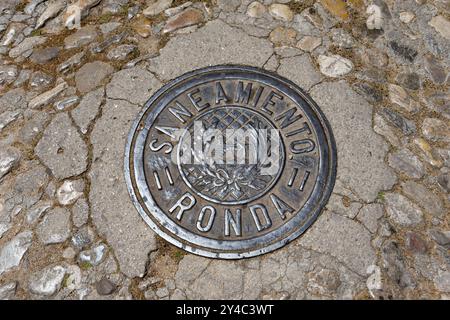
point(221, 180)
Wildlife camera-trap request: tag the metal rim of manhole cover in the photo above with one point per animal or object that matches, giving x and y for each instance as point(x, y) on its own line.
point(230, 161)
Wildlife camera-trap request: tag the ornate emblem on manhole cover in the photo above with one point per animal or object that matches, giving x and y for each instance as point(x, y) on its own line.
point(230, 162)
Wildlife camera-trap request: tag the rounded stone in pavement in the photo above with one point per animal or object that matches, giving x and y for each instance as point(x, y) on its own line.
point(48, 281)
point(61, 148)
point(402, 211)
point(55, 228)
point(12, 252)
point(105, 287)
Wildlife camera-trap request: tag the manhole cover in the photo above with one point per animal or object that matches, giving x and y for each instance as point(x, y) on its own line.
point(230, 162)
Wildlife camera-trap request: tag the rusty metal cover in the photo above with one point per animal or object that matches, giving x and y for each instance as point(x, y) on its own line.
point(230, 162)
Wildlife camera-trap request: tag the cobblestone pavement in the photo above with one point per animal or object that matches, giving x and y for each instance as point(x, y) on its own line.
point(378, 69)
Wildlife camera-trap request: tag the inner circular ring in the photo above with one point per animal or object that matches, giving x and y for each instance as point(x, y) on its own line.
point(225, 183)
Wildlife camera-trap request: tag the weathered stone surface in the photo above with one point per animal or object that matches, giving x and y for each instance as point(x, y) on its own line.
point(81, 37)
point(121, 52)
point(88, 109)
point(309, 43)
point(8, 290)
point(381, 127)
point(342, 238)
point(33, 127)
point(337, 8)
point(9, 159)
point(62, 149)
point(52, 9)
point(44, 55)
point(406, 162)
point(375, 18)
point(423, 197)
point(402, 211)
point(66, 103)
point(361, 165)
point(442, 238)
point(8, 74)
point(156, 7)
point(223, 43)
point(342, 38)
point(323, 282)
point(83, 238)
point(369, 216)
point(184, 19)
point(443, 181)
point(407, 126)
point(300, 70)
point(78, 11)
point(442, 25)
point(134, 85)
point(105, 287)
point(25, 48)
point(400, 97)
point(256, 9)
point(94, 256)
point(12, 252)
point(281, 12)
point(406, 16)
point(47, 281)
point(112, 211)
point(334, 65)
point(55, 227)
point(394, 267)
point(40, 80)
point(70, 191)
point(428, 153)
point(409, 80)
point(7, 118)
point(80, 212)
point(91, 75)
point(72, 62)
point(29, 184)
point(436, 130)
point(36, 211)
point(435, 69)
point(48, 96)
point(415, 244)
point(13, 100)
point(283, 36)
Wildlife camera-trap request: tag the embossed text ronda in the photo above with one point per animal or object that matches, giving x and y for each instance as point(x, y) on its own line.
point(230, 162)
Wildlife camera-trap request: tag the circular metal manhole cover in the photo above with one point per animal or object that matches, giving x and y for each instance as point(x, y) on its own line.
point(230, 162)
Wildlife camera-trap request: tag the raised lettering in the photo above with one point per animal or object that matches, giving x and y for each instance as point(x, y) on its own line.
point(197, 99)
point(234, 221)
point(180, 111)
point(162, 145)
point(302, 146)
point(260, 225)
point(281, 206)
point(243, 95)
point(289, 117)
point(270, 102)
point(220, 93)
point(183, 207)
point(201, 216)
point(169, 131)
